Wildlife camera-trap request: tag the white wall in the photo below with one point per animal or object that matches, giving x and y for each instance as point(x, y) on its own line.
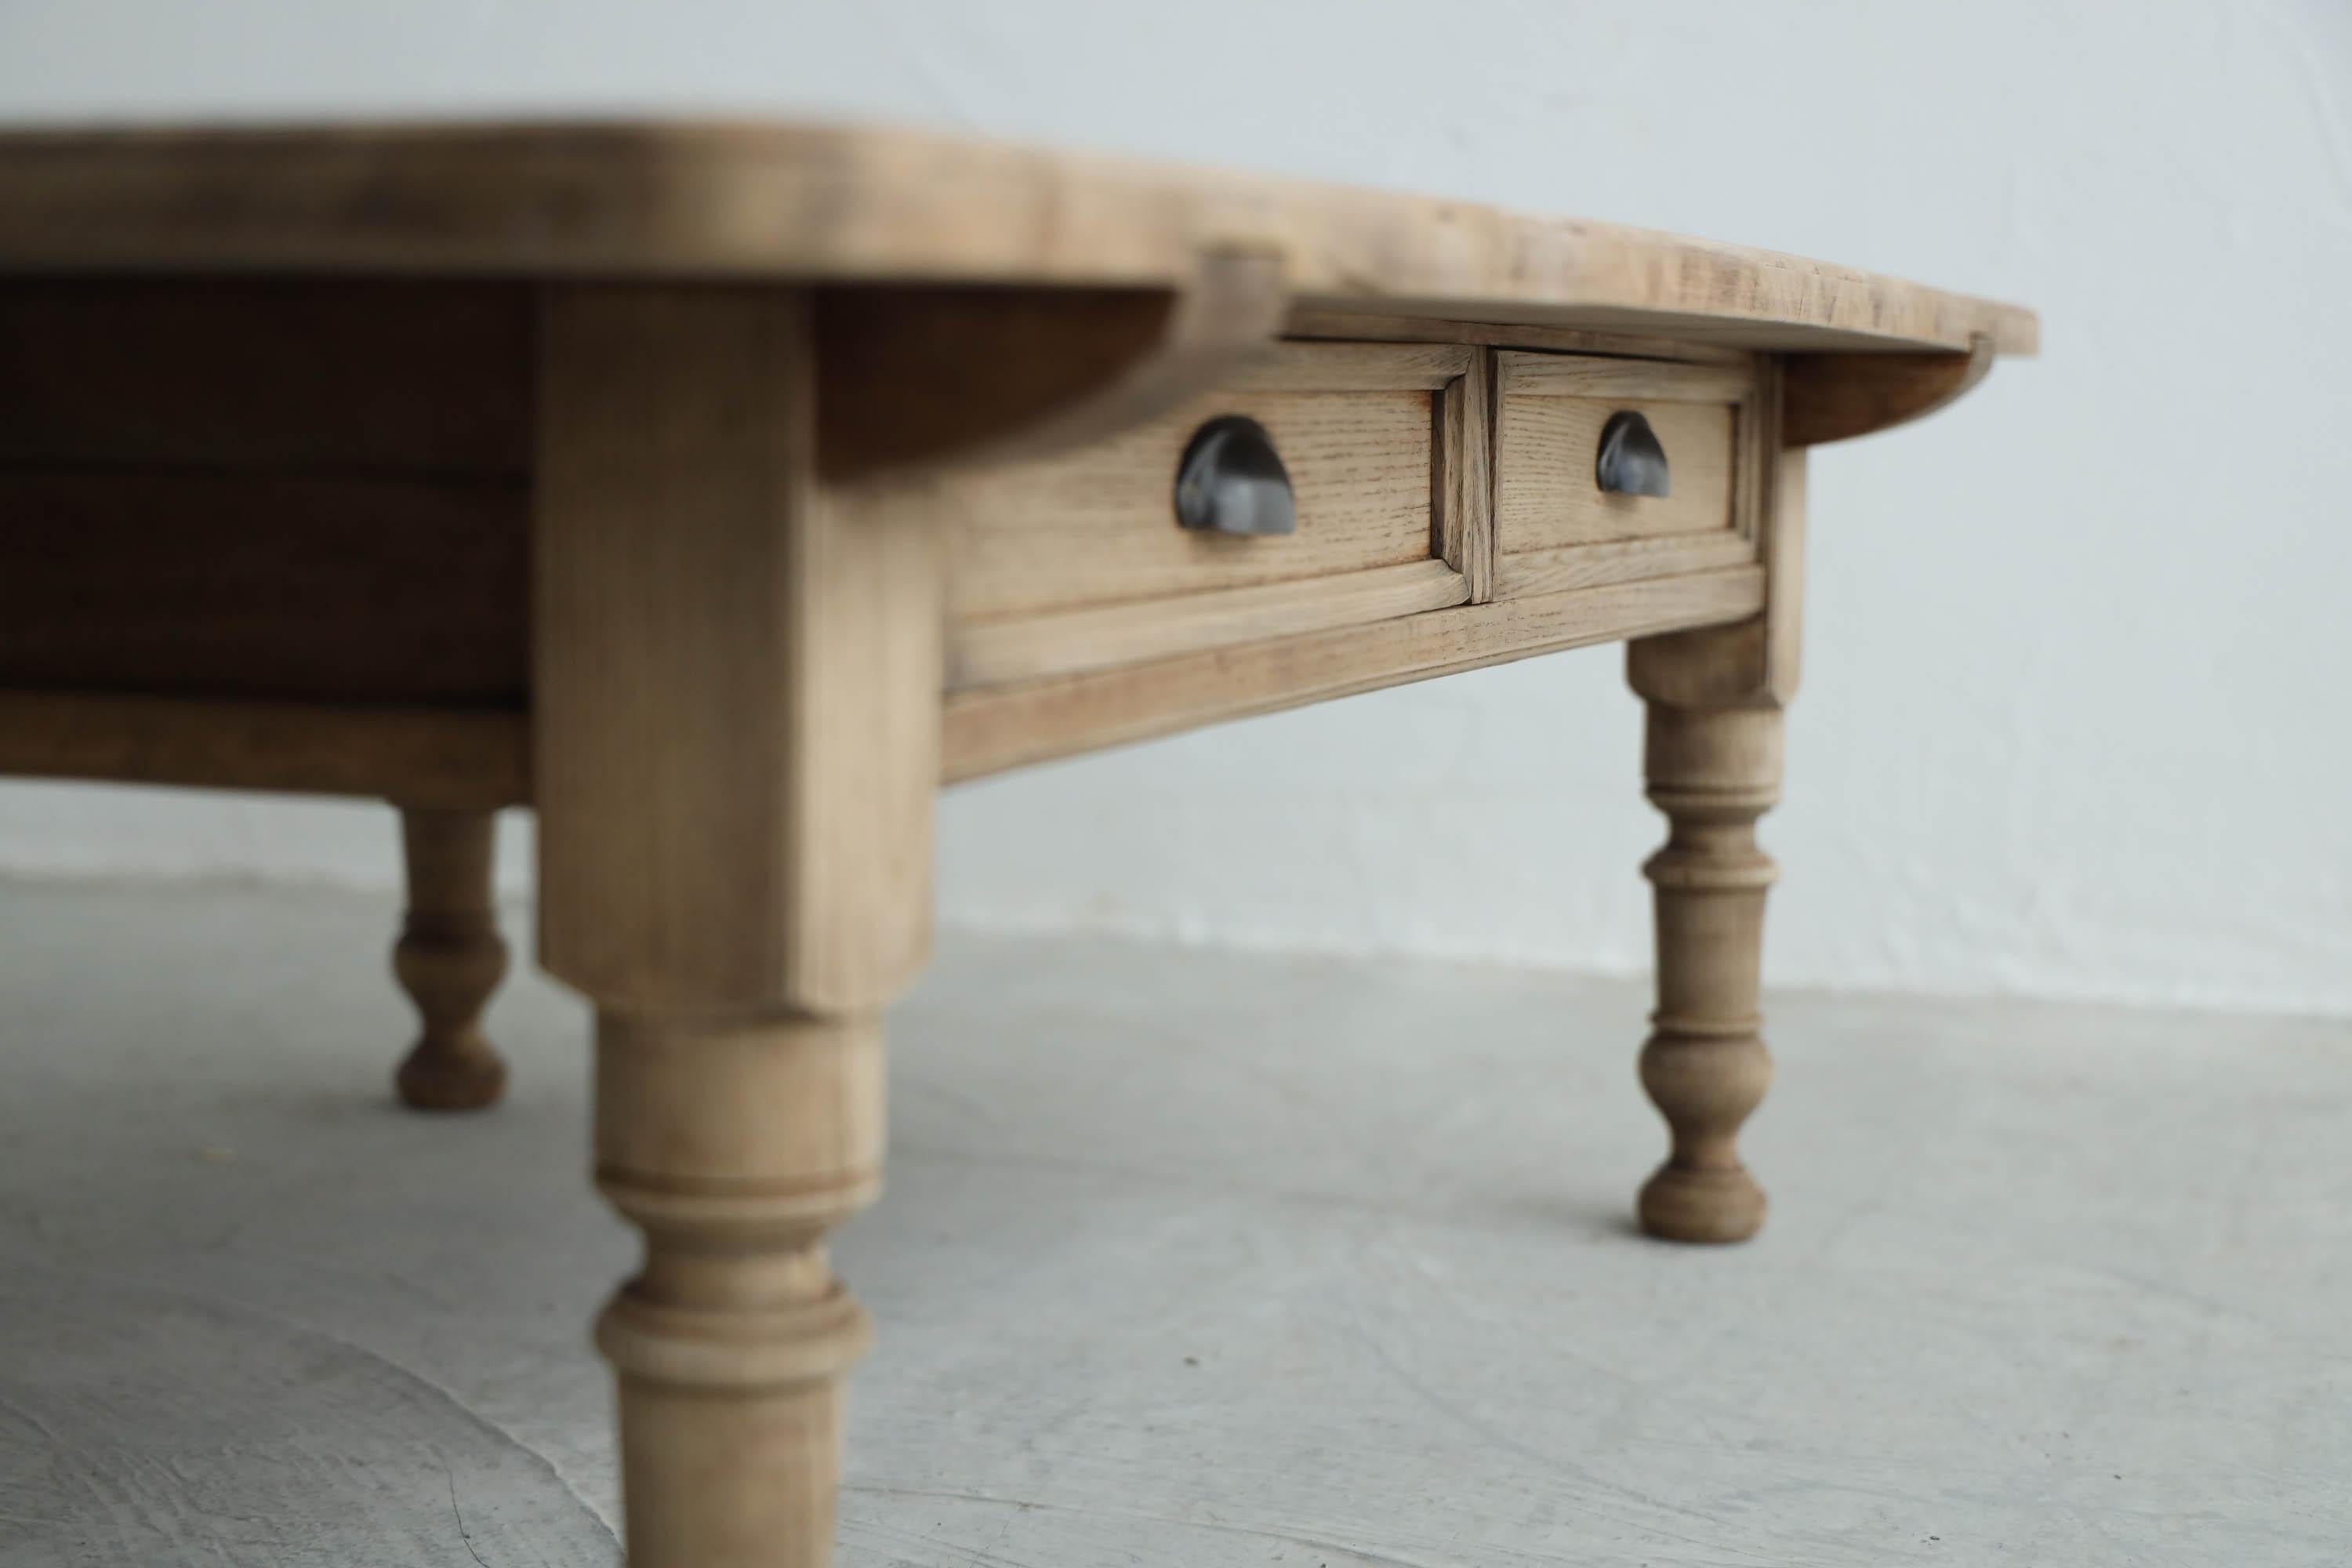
point(2075, 721)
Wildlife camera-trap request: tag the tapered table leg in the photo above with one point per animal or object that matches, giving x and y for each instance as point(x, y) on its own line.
point(449, 959)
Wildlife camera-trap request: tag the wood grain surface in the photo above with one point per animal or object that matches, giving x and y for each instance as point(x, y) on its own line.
point(825, 202)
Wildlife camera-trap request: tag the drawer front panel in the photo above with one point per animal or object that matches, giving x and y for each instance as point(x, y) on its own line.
point(1548, 495)
point(1353, 423)
point(1076, 561)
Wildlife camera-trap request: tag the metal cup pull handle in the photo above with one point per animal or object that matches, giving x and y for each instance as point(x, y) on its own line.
point(1232, 480)
point(1631, 461)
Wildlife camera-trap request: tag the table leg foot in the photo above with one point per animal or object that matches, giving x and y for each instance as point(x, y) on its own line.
point(1713, 772)
point(449, 959)
point(736, 1145)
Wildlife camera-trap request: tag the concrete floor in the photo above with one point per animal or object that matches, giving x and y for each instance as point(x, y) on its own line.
point(1189, 1258)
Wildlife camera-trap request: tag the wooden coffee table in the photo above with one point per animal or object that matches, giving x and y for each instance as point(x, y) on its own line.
point(720, 491)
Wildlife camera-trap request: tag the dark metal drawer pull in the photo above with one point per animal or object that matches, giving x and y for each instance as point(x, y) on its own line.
point(1632, 462)
point(1232, 480)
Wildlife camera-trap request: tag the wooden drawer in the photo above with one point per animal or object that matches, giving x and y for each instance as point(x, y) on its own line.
point(1557, 529)
point(1077, 562)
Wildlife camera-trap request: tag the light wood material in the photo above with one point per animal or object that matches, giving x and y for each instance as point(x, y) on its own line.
point(1831, 397)
point(1463, 477)
point(1784, 577)
point(1760, 657)
point(1713, 761)
point(1077, 564)
point(463, 760)
point(449, 959)
point(1369, 326)
point(990, 729)
point(1550, 414)
point(1354, 428)
point(1528, 572)
point(921, 376)
point(1306, 366)
point(446, 759)
point(460, 759)
point(1276, 660)
point(801, 203)
point(694, 584)
point(736, 1143)
point(736, 728)
point(723, 488)
point(1713, 772)
point(1100, 527)
point(1622, 381)
point(986, 653)
point(1547, 496)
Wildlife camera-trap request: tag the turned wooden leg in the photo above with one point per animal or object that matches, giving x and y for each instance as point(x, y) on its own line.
point(1712, 758)
point(1713, 772)
point(736, 733)
point(735, 1145)
point(449, 958)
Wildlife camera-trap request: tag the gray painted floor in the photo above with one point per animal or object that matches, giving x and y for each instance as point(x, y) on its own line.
point(1189, 1258)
